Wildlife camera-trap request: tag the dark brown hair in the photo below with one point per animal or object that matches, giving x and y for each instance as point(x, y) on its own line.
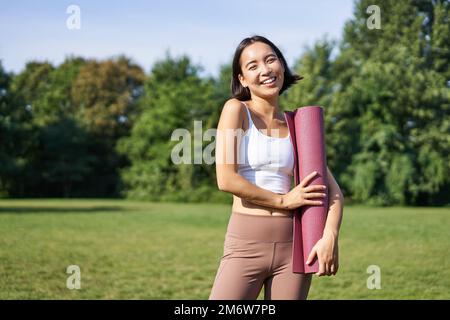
point(241, 93)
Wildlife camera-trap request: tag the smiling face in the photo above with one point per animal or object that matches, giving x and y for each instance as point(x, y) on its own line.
point(261, 70)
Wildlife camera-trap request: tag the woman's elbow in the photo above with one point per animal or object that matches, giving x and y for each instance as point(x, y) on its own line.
point(336, 195)
point(222, 184)
point(340, 197)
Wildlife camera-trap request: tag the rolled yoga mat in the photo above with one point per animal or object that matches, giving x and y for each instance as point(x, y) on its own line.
point(306, 127)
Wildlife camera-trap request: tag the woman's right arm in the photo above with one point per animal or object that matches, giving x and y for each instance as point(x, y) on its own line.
point(228, 180)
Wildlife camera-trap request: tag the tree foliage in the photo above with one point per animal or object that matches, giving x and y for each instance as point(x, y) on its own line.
point(105, 128)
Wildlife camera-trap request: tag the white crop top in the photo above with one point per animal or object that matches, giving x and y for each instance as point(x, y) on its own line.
point(265, 161)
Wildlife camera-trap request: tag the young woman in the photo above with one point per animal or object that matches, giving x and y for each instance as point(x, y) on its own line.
point(256, 166)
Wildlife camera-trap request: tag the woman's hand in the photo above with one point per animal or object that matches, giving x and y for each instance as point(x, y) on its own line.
point(327, 252)
point(300, 195)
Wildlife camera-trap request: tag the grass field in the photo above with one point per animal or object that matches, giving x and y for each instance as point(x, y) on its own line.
point(138, 250)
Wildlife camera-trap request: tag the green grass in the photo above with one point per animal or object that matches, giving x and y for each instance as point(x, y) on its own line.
point(138, 250)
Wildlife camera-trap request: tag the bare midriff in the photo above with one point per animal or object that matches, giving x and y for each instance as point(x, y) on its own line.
point(246, 207)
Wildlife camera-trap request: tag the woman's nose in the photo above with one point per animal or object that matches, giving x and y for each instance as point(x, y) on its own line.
point(266, 69)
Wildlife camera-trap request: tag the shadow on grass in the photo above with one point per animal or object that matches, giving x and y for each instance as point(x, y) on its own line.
point(94, 209)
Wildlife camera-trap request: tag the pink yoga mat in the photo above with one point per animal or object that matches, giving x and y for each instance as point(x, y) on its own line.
point(306, 127)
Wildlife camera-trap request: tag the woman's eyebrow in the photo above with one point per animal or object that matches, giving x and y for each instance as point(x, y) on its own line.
point(267, 55)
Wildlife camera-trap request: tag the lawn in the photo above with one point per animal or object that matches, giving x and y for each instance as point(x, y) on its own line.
point(145, 250)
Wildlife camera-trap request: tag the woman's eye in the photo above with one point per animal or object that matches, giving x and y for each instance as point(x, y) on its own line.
point(271, 60)
point(252, 68)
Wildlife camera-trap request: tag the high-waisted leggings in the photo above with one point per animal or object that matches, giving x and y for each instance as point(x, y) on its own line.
point(258, 252)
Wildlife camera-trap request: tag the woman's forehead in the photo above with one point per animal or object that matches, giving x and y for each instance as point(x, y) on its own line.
point(255, 51)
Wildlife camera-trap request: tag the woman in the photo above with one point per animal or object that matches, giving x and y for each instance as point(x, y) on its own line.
point(257, 168)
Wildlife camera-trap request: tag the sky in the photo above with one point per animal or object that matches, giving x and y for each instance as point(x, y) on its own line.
point(207, 31)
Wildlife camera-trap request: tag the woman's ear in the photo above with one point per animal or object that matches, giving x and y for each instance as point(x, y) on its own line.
point(242, 81)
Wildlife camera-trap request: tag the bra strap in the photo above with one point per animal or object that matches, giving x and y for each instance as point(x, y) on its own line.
point(248, 114)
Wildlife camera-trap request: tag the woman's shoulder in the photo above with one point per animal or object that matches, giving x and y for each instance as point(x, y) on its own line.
point(234, 107)
point(233, 113)
point(235, 103)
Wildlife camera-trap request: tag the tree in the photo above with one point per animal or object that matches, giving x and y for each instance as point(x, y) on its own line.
point(93, 101)
point(64, 159)
point(392, 106)
point(16, 138)
point(40, 97)
point(315, 65)
point(104, 96)
point(175, 96)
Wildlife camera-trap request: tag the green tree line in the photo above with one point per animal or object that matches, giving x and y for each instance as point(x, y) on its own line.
point(89, 128)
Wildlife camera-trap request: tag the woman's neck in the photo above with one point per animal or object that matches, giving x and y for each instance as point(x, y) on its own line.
point(269, 109)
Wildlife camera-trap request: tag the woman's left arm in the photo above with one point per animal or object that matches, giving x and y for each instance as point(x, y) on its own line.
point(326, 249)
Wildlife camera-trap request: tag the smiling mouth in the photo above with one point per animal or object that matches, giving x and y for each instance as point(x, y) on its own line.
point(269, 81)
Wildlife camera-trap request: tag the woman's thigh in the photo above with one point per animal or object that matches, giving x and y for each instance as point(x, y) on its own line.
point(283, 284)
point(242, 270)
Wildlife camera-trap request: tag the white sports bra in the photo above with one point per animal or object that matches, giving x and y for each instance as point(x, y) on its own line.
point(265, 161)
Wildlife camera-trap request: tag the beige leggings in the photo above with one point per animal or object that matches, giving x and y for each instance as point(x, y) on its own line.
point(258, 251)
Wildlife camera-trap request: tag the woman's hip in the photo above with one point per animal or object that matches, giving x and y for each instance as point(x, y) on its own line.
point(260, 228)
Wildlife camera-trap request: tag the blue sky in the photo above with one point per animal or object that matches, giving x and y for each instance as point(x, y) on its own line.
point(207, 31)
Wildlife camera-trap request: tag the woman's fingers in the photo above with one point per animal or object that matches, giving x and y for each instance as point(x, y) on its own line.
point(316, 187)
point(335, 265)
point(333, 269)
point(308, 178)
point(336, 268)
point(321, 271)
point(305, 181)
point(311, 256)
point(314, 195)
point(322, 265)
point(313, 203)
point(329, 266)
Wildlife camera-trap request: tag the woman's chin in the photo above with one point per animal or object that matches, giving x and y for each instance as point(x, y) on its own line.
point(269, 92)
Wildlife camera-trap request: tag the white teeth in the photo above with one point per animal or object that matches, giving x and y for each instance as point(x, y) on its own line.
point(269, 80)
